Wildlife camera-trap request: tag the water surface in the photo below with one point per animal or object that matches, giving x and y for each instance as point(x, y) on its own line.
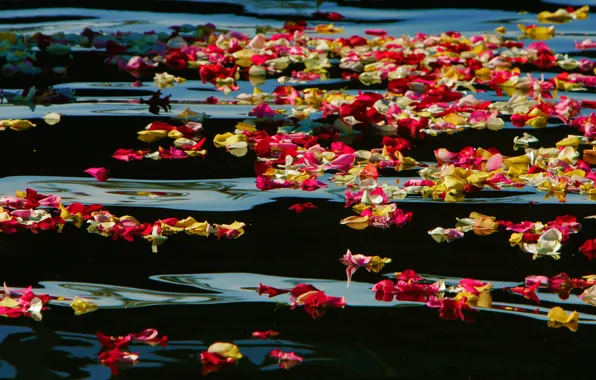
point(200, 290)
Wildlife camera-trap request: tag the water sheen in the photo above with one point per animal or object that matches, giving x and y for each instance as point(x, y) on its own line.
point(200, 290)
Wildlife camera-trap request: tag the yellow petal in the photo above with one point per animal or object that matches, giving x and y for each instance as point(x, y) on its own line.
point(383, 210)
point(454, 182)
point(356, 222)
point(228, 138)
point(518, 161)
point(196, 153)
point(581, 13)
point(501, 30)
point(455, 119)
point(180, 226)
point(151, 136)
point(77, 219)
point(189, 221)
point(9, 302)
point(471, 299)
point(330, 29)
point(538, 32)
point(483, 73)
point(514, 172)
point(485, 299)
point(175, 134)
point(369, 78)
point(238, 226)
point(476, 215)
point(560, 16)
point(575, 172)
point(198, 228)
point(522, 27)
point(243, 57)
point(239, 152)
point(516, 239)
point(537, 122)
point(83, 306)
point(454, 196)
point(246, 127)
point(377, 263)
point(17, 124)
point(558, 318)
point(227, 350)
point(569, 141)
point(189, 115)
point(485, 226)
point(478, 178)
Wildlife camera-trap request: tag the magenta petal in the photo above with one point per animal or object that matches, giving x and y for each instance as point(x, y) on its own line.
point(375, 32)
point(521, 227)
point(478, 117)
point(101, 174)
point(261, 111)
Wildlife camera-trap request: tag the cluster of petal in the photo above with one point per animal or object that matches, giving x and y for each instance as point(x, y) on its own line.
point(533, 237)
point(286, 360)
point(187, 142)
point(165, 80)
point(16, 303)
point(314, 301)
point(563, 15)
point(114, 349)
point(560, 284)
point(36, 212)
point(219, 355)
point(471, 294)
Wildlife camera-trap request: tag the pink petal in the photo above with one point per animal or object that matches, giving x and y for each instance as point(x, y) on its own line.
point(350, 270)
point(494, 163)
point(51, 201)
point(25, 214)
point(445, 156)
point(343, 162)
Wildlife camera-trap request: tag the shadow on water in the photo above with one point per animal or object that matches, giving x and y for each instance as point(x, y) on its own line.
point(356, 342)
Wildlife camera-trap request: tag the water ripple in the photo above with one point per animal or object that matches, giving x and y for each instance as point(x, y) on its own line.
point(222, 288)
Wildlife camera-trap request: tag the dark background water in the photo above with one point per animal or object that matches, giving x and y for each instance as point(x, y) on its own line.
point(200, 290)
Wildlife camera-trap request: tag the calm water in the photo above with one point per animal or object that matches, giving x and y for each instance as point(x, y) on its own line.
point(199, 291)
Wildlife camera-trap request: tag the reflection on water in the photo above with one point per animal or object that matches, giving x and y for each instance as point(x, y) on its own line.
point(222, 288)
point(216, 195)
point(73, 355)
point(119, 98)
point(30, 350)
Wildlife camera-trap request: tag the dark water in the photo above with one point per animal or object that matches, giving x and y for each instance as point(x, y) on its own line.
point(200, 290)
